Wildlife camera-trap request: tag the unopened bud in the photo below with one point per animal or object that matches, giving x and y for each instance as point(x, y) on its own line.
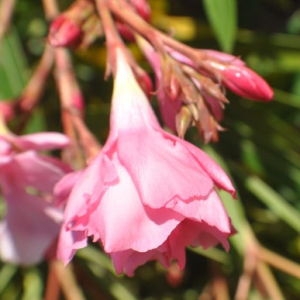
point(64, 32)
point(7, 110)
point(144, 80)
point(78, 101)
point(246, 83)
point(142, 8)
point(76, 25)
point(234, 74)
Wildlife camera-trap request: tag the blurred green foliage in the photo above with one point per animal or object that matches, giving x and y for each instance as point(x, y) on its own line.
point(260, 147)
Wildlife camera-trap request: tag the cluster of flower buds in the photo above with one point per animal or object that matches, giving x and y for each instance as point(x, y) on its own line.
point(190, 83)
point(79, 25)
point(200, 88)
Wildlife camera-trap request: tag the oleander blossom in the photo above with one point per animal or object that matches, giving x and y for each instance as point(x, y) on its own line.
point(27, 178)
point(148, 194)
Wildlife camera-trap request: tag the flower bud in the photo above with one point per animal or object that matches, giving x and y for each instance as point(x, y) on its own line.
point(7, 110)
point(78, 25)
point(236, 76)
point(144, 80)
point(64, 32)
point(246, 83)
point(142, 8)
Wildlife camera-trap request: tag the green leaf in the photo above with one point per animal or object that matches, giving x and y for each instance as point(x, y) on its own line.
point(32, 285)
point(13, 67)
point(7, 272)
point(274, 201)
point(222, 15)
point(37, 122)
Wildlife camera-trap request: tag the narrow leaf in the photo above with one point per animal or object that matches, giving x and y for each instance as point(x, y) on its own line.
point(274, 201)
point(222, 15)
point(13, 70)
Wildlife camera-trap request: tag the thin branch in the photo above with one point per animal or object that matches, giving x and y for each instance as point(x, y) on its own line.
point(52, 285)
point(250, 265)
point(157, 38)
point(279, 262)
point(6, 11)
point(67, 281)
point(50, 8)
point(265, 279)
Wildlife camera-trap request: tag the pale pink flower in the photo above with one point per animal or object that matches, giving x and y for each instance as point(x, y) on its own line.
point(148, 194)
point(32, 222)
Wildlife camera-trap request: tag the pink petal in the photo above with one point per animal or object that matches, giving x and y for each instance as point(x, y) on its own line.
point(123, 222)
point(38, 172)
point(213, 170)
point(83, 200)
point(64, 187)
point(127, 261)
point(69, 242)
point(27, 231)
point(42, 141)
point(161, 168)
point(192, 233)
point(122, 113)
point(209, 210)
point(5, 147)
point(92, 184)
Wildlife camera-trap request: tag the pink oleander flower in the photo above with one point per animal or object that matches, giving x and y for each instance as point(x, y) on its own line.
point(32, 222)
point(148, 194)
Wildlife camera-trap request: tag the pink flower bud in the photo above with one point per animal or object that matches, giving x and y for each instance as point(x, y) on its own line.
point(142, 7)
point(246, 83)
point(7, 110)
point(145, 82)
point(78, 101)
point(64, 32)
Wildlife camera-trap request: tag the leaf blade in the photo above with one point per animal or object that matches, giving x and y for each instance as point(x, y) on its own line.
point(222, 15)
